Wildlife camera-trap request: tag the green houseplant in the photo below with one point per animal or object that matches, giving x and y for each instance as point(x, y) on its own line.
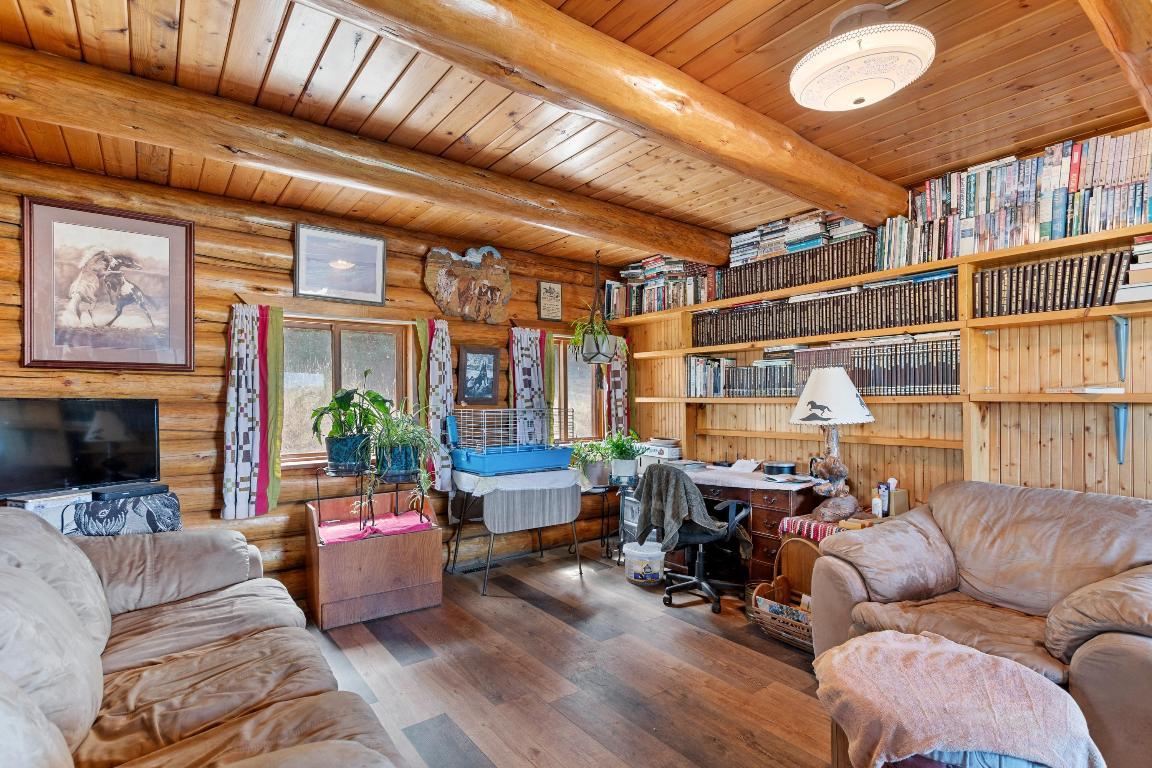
point(591, 458)
point(352, 415)
point(595, 342)
point(624, 448)
point(401, 444)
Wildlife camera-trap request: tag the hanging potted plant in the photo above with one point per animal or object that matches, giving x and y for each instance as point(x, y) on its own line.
point(353, 414)
point(624, 448)
point(595, 342)
point(402, 445)
point(591, 458)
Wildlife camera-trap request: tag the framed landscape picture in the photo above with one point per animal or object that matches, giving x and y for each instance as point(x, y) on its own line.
point(476, 371)
point(106, 289)
point(550, 300)
point(342, 266)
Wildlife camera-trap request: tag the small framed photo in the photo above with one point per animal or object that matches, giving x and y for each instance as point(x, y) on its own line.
point(341, 266)
point(550, 300)
point(476, 371)
point(106, 289)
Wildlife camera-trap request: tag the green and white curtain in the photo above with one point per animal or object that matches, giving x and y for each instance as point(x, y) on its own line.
point(530, 378)
point(436, 392)
point(255, 411)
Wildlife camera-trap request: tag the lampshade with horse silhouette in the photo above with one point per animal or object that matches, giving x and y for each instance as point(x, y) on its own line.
point(830, 398)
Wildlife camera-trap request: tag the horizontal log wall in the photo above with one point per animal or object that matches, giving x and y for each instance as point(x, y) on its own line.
point(247, 249)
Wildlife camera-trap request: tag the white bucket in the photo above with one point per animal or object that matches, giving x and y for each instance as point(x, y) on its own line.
point(644, 563)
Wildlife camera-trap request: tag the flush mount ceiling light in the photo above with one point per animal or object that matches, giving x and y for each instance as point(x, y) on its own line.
point(867, 59)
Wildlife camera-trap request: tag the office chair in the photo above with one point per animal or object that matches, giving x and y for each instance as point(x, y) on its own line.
point(693, 538)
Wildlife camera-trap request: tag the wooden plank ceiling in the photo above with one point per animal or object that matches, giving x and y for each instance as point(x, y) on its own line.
point(1009, 75)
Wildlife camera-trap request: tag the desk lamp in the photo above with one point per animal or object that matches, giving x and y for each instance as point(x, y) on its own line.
point(830, 399)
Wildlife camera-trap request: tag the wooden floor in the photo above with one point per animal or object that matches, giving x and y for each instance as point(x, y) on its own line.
point(553, 670)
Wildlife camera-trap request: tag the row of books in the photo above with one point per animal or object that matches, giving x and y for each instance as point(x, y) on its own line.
point(853, 255)
point(705, 375)
point(761, 379)
point(926, 364)
point(1073, 188)
point(923, 299)
point(792, 235)
point(659, 283)
point(1071, 282)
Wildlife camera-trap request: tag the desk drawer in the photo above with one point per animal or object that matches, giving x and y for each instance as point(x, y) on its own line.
point(723, 493)
point(766, 521)
point(765, 547)
point(782, 500)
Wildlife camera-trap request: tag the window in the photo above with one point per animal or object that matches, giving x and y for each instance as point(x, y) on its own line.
point(575, 389)
point(322, 357)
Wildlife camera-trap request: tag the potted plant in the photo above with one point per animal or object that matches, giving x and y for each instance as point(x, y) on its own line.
point(596, 343)
point(353, 414)
point(591, 458)
point(623, 448)
point(401, 445)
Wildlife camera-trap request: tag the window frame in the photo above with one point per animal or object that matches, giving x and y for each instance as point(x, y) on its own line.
point(562, 345)
point(405, 374)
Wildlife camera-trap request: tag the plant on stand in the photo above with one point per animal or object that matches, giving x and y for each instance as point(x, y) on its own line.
point(624, 448)
point(353, 415)
point(591, 458)
point(402, 445)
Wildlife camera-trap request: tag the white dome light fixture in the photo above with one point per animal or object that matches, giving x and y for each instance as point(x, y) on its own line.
point(867, 59)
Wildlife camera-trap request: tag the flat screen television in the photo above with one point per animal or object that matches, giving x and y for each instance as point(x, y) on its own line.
point(62, 443)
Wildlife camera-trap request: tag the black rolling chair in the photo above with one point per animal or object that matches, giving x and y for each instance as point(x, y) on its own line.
point(692, 536)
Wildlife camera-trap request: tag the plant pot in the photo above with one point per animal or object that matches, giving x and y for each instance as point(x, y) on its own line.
point(398, 465)
point(597, 474)
point(599, 349)
point(346, 454)
point(623, 467)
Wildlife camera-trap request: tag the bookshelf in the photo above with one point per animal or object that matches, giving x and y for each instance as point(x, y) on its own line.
point(985, 432)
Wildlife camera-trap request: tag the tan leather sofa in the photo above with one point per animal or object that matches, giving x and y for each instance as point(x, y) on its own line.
point(1057, 580)
point(165, 650)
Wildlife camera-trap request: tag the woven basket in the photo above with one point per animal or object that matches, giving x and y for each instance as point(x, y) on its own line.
point(780, 591)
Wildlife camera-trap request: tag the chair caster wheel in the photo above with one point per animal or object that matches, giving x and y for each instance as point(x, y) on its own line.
point(668, 600)
point(716, 607)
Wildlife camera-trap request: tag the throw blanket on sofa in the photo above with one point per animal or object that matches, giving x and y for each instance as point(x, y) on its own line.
point(898, 695)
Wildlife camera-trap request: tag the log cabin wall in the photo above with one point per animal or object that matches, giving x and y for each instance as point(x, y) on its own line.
point(244, 248)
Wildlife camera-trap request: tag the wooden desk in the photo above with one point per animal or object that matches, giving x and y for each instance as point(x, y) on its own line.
point(771, 503)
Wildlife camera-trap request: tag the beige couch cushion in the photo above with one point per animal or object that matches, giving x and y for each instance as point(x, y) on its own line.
point(328, 716)
point(148, 635)
point(28, 738)
point(46, 651)
point(988, 628)
point(903, 559)
point(148, 708)
point(1028, 548)
point(28, 541)
point(1122, 603)
point(319, 754)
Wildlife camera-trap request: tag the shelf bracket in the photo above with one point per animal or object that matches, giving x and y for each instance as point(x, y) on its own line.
point(1120, 428)
point(1122, 329)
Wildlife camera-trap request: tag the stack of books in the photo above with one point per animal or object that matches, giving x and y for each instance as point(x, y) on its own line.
point(706, 375)
point(1138, 286)
point(1071, 282)
point(744, 248)
point(772, 239)
point(1073, 188)
point(918, 300)
point(658, 283)
point(808, 230)
point(906, 364)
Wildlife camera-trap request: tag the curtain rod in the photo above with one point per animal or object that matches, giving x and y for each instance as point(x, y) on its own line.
point(289, 315)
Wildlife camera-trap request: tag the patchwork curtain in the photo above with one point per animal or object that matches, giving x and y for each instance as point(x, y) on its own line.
point(530, 378)
point(436, 392)
point(616, 394)
point(255, 412)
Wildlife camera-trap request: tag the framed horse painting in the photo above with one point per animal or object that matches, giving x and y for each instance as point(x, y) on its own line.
point(106, 289)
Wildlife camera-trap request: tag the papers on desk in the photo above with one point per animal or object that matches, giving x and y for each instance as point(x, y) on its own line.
point(798, 479)
point(745, 465)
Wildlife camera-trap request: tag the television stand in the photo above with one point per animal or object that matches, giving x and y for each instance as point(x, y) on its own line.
point(128, 491)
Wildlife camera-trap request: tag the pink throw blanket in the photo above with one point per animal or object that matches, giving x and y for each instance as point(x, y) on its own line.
point(898, 695)
point(386, 525)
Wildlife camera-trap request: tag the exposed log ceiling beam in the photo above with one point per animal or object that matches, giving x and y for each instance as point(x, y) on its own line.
point(38, 86)
point(531, 47)
point(1125, 28)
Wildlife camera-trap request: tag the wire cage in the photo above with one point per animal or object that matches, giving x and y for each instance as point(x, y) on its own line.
point(493, 441)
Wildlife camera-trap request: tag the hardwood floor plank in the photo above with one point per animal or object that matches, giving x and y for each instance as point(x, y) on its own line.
point(347, 676)
point(399, 641)
point(589, 622)
point(441, 743)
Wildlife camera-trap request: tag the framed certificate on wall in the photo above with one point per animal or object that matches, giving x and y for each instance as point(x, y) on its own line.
point(550, 300)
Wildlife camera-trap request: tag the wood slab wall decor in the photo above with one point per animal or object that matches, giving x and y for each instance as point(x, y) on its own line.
point(246, 248)
point(474, 286)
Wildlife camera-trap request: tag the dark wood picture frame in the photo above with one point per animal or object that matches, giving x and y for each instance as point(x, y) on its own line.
point(489, 394)
point(300, 235)
point(542, 288)
point(41, 326)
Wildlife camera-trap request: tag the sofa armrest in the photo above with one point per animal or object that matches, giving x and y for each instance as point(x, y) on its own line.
point(318, 754)
point(1109, 678)
point(836, 588)
point(255, 562)
point(146, 569)
point(1121, 603)
point(906, 558)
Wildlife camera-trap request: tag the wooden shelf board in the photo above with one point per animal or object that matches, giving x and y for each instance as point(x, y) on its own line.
point(870, 399)
point(1060, 397)
point(1106, 239)
point(1132, 309)
point(911, 442)
point(750, 345)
